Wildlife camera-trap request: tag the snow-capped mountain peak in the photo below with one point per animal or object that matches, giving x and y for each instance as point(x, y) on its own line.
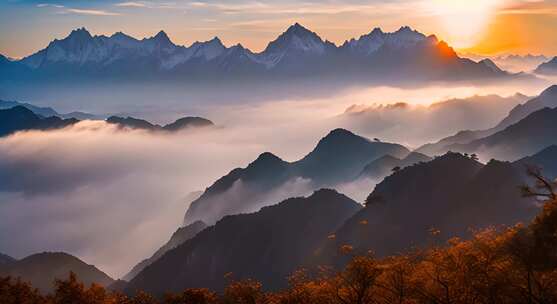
point(162, 37)
point(295, 41)
point(123, 40)
point(159, 42)
point(80, 34)
point(208, 49)
point(297, 38)
point(78, 38)
point(297, 50)
point(298, 29)
point(77, 47)
point(407, 35)
point(368, 44)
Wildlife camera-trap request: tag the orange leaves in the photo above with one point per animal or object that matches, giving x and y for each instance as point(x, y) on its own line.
point(243, 292)
point(193, 295)
point(434, 231)
point(346, 249)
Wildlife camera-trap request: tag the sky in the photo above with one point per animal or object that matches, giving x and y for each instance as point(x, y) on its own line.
point(477, 26)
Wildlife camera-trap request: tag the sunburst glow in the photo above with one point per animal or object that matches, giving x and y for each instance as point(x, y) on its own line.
point(464, 20)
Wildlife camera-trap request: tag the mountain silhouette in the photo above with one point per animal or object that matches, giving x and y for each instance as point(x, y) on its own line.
point(179, 237)
point(10, 69)
point(188, 122)
point(5, 260)
point(380, 167)
point(341, 155)
point(266, 246)
point(43, 268)
point(241, 190)
point(528, 136)
point(338, 157)
point(41, 111)
point(141, 124)
point(383, 166)
point(449, 194)
point(462, 137)
point(20, 118)
point(548, 98)
point(547, 68)
point(132, 123)
point(47, 111)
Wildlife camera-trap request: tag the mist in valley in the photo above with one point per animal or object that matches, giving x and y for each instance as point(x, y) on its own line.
point(96, 191)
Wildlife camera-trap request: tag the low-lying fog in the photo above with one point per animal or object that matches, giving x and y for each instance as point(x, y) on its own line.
point(111, 197)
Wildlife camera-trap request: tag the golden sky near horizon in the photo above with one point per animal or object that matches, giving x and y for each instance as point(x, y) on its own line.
point(525, 28)
point(477, 26)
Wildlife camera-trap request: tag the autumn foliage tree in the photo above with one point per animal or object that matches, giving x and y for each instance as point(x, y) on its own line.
point(192, 296)
point(15, 291)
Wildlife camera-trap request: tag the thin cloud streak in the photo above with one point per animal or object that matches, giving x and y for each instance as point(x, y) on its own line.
point(131, 4)
point(306, 8)
point(91, 12)
point(69, 10)
point(50, 5)
point(531, 8)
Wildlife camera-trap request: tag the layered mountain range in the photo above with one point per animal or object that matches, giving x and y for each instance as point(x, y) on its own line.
point(20, 118)
point(419, 205)
point(296, 52)
point(338, 157)
point(525, 130)
point(383, 166)
point(548, 68)
point(531, 134)
point(25, 117)
point(48, 111)
point(416, 124)
point(425, 203)
point(342, 157)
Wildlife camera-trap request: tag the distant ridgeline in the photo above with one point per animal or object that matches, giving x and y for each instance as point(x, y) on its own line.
point(404, 55)
point(20, 118)
point(548, 68)
point(338, 158)
point(15, 116)
point(527, 129)
point(342, 157)
point(180, 124)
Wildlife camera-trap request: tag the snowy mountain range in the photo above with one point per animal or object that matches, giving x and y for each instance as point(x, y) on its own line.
point(297, 51)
